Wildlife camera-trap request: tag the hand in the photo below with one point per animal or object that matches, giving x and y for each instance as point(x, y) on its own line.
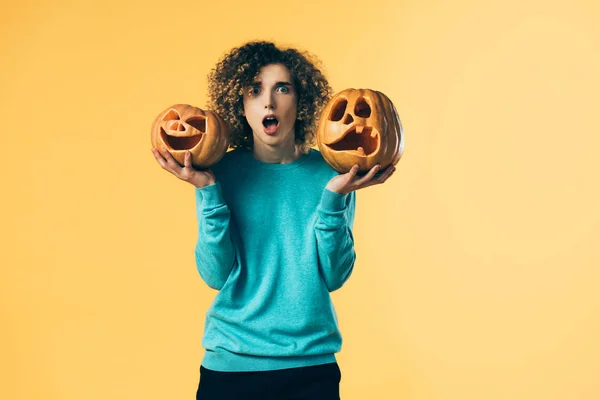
point(349, 182)
point(186, 173)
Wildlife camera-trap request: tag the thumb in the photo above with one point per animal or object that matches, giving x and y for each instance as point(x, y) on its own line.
point(187, 159)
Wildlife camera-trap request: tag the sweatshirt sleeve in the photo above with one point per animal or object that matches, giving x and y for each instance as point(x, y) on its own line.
point(335, 243)
point(215, 251)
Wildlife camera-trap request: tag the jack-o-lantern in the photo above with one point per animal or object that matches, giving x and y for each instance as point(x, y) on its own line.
point(360, 126)
point(182, 127)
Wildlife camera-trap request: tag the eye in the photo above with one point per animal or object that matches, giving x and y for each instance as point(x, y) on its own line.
point(254, 91)
point(283, 89)
point(171, 115)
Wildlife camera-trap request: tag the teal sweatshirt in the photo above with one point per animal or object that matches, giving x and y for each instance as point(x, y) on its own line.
point(274, 243)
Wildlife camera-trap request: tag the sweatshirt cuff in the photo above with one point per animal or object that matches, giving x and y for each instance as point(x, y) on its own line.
point(333, 201)
point(210, 196)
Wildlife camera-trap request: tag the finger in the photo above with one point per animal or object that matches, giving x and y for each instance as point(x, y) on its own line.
point(156, 153)
point(387, 175)
point(385, 171)
point(384, 175)
point(159, 157)
point(186, 171)
point(170, 159)
point(369, 176)
point(167, 162)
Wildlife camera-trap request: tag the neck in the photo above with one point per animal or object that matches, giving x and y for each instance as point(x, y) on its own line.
point(282, 154)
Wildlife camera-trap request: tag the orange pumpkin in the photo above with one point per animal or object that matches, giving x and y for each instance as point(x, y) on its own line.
point(182, 127)
point(360, 126)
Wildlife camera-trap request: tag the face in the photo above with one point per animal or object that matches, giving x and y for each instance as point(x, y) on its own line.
point(270, 106)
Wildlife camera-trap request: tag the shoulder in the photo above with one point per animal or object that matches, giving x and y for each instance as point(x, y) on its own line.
point(231, 159)
point(324, 172)
point(318, 164)
point(232, 154)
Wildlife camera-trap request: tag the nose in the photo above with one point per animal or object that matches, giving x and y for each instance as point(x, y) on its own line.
point(270, 101)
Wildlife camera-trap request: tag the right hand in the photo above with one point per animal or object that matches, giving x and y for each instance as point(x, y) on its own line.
point(186, 173)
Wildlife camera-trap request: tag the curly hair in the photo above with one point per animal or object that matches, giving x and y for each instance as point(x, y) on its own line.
point(236, 71)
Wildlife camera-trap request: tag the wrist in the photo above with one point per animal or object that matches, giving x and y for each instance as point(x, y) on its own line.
point(331, 200)
point(335, 190)
point(200, 181)
point(204, 184)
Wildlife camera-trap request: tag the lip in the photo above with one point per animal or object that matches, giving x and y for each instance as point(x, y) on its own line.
point(271, 133)
point(276, 128)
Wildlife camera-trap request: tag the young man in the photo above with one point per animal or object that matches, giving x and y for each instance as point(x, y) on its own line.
point(275, 232)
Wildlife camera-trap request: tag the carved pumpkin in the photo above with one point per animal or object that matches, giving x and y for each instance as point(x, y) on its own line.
point(182, 127)
point(360, 126)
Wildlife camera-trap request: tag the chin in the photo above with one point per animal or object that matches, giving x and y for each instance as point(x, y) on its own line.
point(277, 138)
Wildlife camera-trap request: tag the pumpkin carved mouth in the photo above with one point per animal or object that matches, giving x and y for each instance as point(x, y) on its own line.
point(358, 139)
point(183, 135)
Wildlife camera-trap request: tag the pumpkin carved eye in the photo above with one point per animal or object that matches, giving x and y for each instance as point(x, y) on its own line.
point(183, 127)
point(362, 108)
point(338, 109)
point(198, 123)
point(171, 115)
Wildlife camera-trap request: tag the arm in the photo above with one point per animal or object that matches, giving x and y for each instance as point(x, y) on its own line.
point(215, 252)
point(214, 248)
point(335, 243)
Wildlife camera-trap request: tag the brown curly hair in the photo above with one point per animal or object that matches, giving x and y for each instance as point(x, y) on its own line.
point(235, 73)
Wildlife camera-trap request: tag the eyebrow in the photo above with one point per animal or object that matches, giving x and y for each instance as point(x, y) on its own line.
point(281, 83)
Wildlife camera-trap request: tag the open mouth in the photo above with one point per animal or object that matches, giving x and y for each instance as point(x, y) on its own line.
point(359, 139)
point(179, 138)
point(270, 123)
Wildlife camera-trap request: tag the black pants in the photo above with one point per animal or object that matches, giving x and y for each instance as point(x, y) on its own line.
point(318, 382)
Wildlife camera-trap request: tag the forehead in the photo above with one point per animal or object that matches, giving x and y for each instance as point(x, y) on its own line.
point(273, 73)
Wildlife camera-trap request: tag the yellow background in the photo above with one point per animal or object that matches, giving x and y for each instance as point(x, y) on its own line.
point(478, 261)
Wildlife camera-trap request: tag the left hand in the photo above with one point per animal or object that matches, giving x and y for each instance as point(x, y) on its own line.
point(349, 182)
